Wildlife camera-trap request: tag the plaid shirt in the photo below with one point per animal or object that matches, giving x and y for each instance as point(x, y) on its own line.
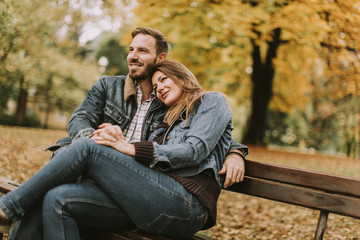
point(133, 131)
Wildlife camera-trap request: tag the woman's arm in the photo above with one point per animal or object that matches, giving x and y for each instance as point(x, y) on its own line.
point(239, 147)
point(211, 123)
point(188, 145)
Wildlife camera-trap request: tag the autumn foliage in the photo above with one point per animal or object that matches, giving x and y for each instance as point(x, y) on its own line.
point(278, 56)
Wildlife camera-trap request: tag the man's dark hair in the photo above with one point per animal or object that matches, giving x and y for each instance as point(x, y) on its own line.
point(161, 41)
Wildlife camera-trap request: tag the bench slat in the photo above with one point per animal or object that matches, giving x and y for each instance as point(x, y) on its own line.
point(7, 186)
point(301, 177)
point(316, 199)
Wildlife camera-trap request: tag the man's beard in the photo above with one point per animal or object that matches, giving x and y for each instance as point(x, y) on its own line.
point(144, 74)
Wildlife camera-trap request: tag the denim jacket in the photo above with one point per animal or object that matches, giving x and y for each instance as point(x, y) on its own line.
point(202, 142)
point(113, 100)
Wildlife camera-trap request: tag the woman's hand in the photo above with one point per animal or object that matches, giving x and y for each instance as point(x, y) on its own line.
point(234, 168)
point(112, 136)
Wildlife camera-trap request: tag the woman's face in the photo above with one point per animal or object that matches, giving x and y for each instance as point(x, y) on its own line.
point(166, 89)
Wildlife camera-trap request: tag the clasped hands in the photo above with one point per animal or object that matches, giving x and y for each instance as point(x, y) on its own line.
point(112, 136)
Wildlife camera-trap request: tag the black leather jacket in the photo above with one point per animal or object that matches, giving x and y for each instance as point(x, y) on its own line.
point(113, 100)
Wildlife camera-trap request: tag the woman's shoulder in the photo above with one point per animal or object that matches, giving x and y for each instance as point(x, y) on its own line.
point(214, 96)
point(214, 103)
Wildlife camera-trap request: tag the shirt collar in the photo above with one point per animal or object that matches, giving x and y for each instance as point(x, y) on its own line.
point(152, 95)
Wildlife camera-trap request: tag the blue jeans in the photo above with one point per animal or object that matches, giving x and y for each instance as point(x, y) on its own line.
point(131, 193)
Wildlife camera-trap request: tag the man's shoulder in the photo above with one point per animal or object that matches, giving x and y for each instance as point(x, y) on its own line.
point(119, 78)
point(111, 81)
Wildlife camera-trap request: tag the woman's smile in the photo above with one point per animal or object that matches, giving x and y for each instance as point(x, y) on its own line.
point(164, 94)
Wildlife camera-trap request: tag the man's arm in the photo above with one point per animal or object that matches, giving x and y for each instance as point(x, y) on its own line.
point(87, 117)
point(234, 166)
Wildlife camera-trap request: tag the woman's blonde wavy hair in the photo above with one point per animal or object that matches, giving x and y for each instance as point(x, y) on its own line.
point(185, 79)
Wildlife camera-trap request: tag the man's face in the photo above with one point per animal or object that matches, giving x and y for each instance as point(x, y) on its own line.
point(142, 57)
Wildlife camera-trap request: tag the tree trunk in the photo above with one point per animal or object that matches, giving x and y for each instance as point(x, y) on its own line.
point(20, 116)
point(47, 100)
point(262, 80)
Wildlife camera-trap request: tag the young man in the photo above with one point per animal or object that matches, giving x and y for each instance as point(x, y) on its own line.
point(126, 107)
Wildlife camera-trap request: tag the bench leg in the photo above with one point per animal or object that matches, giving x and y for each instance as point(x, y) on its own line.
point(321, 226)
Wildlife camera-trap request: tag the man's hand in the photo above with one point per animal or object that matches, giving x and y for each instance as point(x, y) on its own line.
point(109, 132)
point(234, 168)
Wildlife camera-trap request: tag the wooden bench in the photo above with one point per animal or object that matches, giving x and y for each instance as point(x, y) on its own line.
point(321, 191)
point(324, 192)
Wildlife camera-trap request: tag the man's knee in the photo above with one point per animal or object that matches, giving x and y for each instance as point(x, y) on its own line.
point(55, 198)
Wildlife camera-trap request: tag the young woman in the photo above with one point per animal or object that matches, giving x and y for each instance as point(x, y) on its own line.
point(168, 185)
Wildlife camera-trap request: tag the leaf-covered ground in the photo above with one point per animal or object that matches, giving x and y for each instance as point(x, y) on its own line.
point(239, 216)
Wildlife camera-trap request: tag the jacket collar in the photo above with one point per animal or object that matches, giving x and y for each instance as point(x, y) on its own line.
point(129, 88)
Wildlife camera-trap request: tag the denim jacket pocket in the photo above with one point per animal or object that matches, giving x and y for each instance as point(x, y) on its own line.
point(179, 133)
point(115, 114)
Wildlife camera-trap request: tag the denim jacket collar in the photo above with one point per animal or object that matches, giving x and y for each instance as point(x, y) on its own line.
point(129, 88)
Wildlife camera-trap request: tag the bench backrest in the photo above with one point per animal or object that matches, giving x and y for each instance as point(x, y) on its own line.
point(306, 188)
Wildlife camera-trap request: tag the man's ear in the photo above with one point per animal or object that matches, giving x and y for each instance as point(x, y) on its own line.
point(161, 57)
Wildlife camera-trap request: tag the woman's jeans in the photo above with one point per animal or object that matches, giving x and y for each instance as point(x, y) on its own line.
point(122, 193)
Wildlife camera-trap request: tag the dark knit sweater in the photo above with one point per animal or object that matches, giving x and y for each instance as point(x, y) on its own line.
point(203, 185)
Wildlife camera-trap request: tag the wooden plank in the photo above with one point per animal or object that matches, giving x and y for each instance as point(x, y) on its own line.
point(7, 186)
point(343, 205)
point(300, 177)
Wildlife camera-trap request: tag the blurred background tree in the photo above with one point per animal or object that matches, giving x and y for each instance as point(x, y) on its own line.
point(290, 68)
point(293, 64)
point(41, 54)
point(113, 54)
